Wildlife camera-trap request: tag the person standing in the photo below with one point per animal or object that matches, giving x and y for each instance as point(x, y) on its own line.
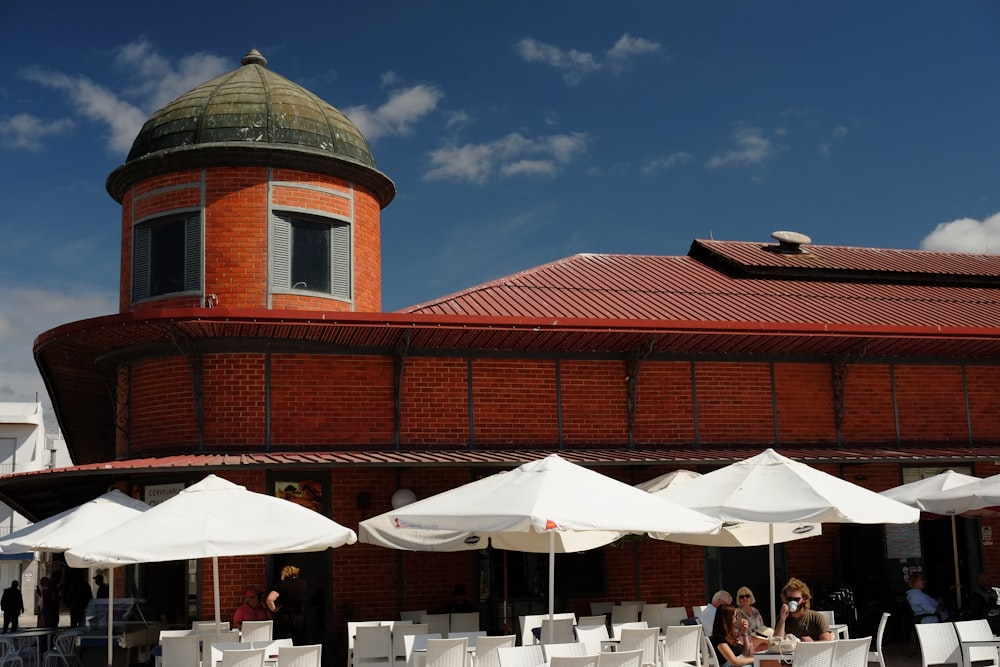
point(77, 598)
point(12, 605)
point(287, 602)
point(102, 588)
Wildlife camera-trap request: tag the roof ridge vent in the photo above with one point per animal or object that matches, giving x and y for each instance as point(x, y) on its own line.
point(789, 243)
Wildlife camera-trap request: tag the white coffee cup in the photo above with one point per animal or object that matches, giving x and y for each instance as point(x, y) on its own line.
point(793, 606)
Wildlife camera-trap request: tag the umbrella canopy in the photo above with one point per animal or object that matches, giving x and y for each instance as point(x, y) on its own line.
point(545, 506)
point(733, 533)
point(913, 493)
point(74, 526)
point(210, 519)
point(977, 495)
point(773, 489)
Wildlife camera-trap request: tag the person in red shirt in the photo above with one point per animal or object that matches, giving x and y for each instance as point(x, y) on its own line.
point(250, 610)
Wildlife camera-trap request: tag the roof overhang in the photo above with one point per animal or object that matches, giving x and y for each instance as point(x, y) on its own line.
point(78, 361)
point(40, 494)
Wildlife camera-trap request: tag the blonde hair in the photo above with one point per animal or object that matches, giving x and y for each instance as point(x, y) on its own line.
point(743, 590)
point(289, 572)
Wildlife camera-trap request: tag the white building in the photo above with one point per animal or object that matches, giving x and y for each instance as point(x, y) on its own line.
point(25, 446)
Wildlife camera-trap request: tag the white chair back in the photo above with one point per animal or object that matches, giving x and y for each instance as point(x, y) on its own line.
point(373, 646)
point(567, 650)
point(487, 654)
point(592, 636)
point(310, 655)
point(352, 632)
point(560, 630)
point(854, 652)
point(876, 655)
point(651, 613)
point(182, 651)
point(521, 656)
point(672, 616)
point(938, 643)
point(470, 637)
point(414, 615)
point(978, 630)
point(574, 661)
point(247, 657)
point(399, 634)
point(616, 629)
point(646, 640)
point(176, 633)
point(601, 608)
point(205, 627)
point(439, 623)
point(215, 650)
point(447, 652)
point(682, 644)
point(709, 658)
point(466, 621)
point(814, 654)
point(256, 631)
point(211, 639)
point(620, 659)
point(587, 621)
point(624, 613)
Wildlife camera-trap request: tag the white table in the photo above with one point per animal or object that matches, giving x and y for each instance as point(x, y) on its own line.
point(840, 630)
point(758, 656)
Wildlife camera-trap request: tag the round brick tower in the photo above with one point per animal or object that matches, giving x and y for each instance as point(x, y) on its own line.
point(250, 192)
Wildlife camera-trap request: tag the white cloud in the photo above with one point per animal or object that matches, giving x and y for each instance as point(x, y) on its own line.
point(27, 132)
point(752, 148)
point(458, 119)
point(665, 162)
point(26, 312)
point(965, 235)
point(576, 65)
point(511, 155)
point(388, 79)
point(399, 113)
point(149, 82)
point(837, 135)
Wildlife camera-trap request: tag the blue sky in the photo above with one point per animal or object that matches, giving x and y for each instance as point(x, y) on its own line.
point(518, 133)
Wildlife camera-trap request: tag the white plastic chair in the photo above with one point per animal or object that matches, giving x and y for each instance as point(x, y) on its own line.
point(352, 631)
point(215, 650)
point(603, 608)
point(399, 634)
point(373, 646)
point(574, 660)
point(616, 628)
point(682, 645)
point(64, 651)
point(592, 636)
point(876, 655)
point(182, 651)
point(522, 656)
point(487, 647)
point(310, 655)
point(447, 652)
point(588, 621)
point(209, 640)
point(938, 643)
point(560, 629)
point(416, 648)
point(851, 652)
point(256, 631)
point(414, 615)
point(466, 621)
point(624, 613)
point(651, 613)
point(439, 623)
point(814, 654)
point(10, 656)
point(247, 657)
point(672, 616)
point(709, 658)
point(565, 650)
point(646, 640)
point(978, 630)
point(471, 637)
point(206, 627)
point(176, 633)
point(620, 659)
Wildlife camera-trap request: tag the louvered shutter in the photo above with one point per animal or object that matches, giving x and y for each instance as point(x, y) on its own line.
point(140, 262)
point(192, 253)
point(281, 252)
point(340, 261)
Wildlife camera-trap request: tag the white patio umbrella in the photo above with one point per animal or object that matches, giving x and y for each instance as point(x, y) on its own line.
point(62, 531)
point(733, 533)
point(545, 506)
point(773, 489)
point(210, 519)
point(913, 493)
point(965, 498)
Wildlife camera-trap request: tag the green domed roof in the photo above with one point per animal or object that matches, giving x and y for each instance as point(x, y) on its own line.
point(251, 109)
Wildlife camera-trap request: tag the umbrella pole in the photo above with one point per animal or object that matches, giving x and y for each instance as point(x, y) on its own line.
point(954, 548)
point(111, 613)
point(505, 600)
point(770, 559)
point(218, 612)
point(552, 583)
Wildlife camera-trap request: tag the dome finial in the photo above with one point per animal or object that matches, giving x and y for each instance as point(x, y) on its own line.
point(253, 57)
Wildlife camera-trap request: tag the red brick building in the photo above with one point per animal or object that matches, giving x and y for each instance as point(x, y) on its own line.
point(250, 343)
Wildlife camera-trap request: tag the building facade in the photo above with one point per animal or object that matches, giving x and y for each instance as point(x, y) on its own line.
point(250, 343)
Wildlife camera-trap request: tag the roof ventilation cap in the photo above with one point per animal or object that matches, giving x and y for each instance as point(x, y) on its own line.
point(790, 243)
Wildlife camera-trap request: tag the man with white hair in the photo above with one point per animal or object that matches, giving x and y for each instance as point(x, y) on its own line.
point(707, 615)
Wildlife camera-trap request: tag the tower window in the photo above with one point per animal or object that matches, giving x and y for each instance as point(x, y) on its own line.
point(310, 254)
point(166, 256)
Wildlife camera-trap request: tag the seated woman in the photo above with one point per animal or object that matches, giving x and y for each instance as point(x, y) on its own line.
point(731, 638)
point(925, 608)
point(746, 611)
